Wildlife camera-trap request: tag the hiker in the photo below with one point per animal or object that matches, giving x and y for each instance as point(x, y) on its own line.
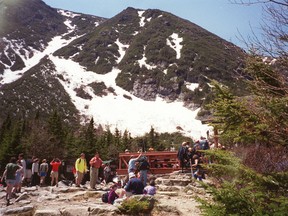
point(107, 173)
point(134, 185)
point(55, 163)
point(198, 174)
point(43, 171)
point(182, 155)
point(204, 144)
point(28, 171)
point(132, 163)
point(35, 172)
point(150, 189)
point(18, 178)
point(95, 164)
point(81, 169)
point(112, 194)
point(23, 164)
point(9, 174)
point(143, 168)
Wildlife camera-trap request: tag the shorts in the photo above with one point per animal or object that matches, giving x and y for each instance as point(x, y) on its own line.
point(43, 174)
point(10, 182)
point(54, 174)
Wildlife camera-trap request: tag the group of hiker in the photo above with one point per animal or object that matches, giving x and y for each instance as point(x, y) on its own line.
point(190, 156)
point(34, 173)
point(135, 183)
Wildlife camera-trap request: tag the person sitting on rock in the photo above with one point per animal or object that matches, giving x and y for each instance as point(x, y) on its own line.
point(150, 189)
point(112, 194)
point(134, 185)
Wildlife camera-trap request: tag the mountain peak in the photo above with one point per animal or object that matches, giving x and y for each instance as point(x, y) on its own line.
point(139, 61)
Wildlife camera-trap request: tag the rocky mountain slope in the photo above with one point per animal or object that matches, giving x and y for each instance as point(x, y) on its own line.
point(74, 63)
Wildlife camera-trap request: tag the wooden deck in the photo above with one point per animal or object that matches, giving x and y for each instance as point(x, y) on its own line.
point(161, 162)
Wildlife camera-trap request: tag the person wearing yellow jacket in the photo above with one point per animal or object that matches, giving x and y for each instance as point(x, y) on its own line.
point(81, 169)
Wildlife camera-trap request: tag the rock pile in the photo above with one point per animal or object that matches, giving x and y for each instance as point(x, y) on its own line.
point(175, 195)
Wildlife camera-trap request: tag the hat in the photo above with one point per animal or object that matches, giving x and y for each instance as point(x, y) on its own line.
point(131, 175)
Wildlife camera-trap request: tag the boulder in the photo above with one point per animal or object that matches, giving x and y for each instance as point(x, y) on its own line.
point(169, 210)
point(22, 196)
point(47, 212)
point(103, 210)
point(75, 211)
point(25, 210)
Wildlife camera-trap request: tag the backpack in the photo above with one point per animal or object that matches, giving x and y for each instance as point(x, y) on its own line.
point(105, 197)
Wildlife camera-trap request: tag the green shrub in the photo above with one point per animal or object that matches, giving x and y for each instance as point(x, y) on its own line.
point(239, 190)
point(133, 206)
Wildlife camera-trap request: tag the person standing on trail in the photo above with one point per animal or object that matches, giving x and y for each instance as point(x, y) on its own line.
point(95, 164)
point(35, 172)
point(23, 164)
point(81, 169)
point(43, 171)
point(132, 163)
point(55, 163)
point(10, 175)
point(143, 167)
point(182, 155)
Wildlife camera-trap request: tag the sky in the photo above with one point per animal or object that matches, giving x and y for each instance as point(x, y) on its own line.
point(221, 17)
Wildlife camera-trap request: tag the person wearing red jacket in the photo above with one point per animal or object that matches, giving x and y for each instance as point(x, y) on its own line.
point(55, 163)
point(95, 164)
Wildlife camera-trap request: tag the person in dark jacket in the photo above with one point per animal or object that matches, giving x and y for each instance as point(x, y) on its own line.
point(134, 185)
point(143, 167)
point(182, 154)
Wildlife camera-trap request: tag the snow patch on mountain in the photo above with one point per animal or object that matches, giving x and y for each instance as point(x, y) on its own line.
point(122, 50)
point(142, 18)
point(68, 13)
point(142, 62)
point(55, 44)
point(135, 115)
point(174, 41)
point(191, 86)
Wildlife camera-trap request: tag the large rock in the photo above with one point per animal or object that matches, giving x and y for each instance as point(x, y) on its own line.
point(75, 211)
point(47, 212)
point(103, 210)
point(23, 196)
point(19, 211)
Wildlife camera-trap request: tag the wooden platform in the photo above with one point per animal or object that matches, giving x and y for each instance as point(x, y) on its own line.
point(161, 162)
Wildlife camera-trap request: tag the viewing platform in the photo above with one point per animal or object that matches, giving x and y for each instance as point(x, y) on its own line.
point(161, 162)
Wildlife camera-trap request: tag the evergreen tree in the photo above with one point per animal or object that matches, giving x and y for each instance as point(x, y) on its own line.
point(126, 140)
point(5, 139)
